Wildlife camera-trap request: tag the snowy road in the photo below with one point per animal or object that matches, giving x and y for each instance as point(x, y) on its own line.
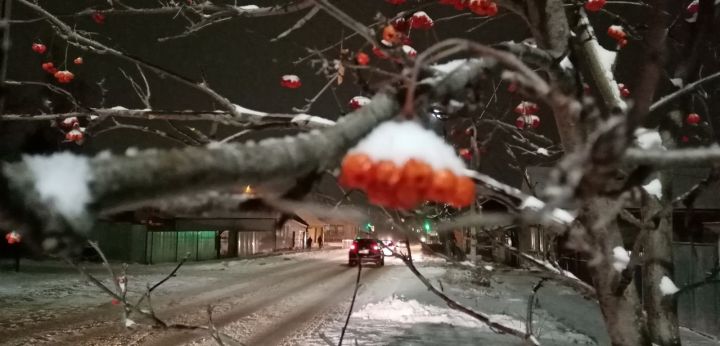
point(298, 299)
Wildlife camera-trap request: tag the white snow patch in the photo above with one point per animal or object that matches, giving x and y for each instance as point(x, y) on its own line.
point(411, 311)
point(678, 82)
point(559, 215)
point(62, 180)
point(311, 120)
point(648, 138)
point(118, 108)
point(249, 7)
point(409, 51)
point(543, 151)
point(488, 268)
point(621, 258)
point(243, 110)
point(104, 155)
point(468, 263)
point(131, 152)
point(450, 66)
point(667, 286)
point(129, 323)
point(566, 64)
point(291, 78)
point(360, 100)
point(654, 188)
point(214, 145)
point(569, 274)
point(400, 141)
point(607, 58)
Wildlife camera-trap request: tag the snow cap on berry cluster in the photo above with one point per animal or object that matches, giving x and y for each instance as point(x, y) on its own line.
point(400, 141)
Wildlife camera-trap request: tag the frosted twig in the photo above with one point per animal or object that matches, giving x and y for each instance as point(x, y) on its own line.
point(691, 157)
point(299, 24)
point(352, 302)
point(531, 303)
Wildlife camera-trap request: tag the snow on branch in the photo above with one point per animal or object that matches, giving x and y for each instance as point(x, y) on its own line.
point(206, 8)
point(75, 38)
point(150, 174)
point(305, 121)
point(117, 181)
point(694, 157)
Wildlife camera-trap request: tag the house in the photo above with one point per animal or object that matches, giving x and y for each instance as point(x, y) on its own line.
point(148, 236)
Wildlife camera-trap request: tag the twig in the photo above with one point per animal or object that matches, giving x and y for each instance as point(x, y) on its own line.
point(352, 302)
point(299, 24)
point(682, 92)
point(495, 326)
point(363, 30)
point(166, 278)
point(213, 330)
point(531, 304)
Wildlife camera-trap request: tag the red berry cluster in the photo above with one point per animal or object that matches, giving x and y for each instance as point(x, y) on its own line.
point(394, 34)
point(362, 58)
point(480, 7)
point(74, 133)
point(49, 67)
point(483, 7)
point(405, 187)
point(39, 48)
point(64, 76)
point(13, 237)
point(358, 101)
point(526, 115)
point(290, 81)
point(692, 119)
point(98, 17)
point(594, 5)
point(465, 153)
point(421, 21)
point(458, 4)
point(617, 33)
point(624, 91)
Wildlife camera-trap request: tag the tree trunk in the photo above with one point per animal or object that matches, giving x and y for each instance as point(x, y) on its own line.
point(622, 313)
point(658, 262)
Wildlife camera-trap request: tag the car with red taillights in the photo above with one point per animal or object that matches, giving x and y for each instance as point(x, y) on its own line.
point(366, 250)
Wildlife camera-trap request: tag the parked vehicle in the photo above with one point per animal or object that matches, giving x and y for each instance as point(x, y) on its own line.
point(366, 250)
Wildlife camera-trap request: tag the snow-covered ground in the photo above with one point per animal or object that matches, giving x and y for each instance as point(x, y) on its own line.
point(399, 310)
point(294, 299)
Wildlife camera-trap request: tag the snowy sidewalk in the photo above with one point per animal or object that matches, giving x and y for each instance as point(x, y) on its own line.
point(399, 310)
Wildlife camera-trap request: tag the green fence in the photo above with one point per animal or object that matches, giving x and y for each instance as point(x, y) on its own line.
point(121, 241)
point(698, 309)
point(172, 246)
point(135, 244)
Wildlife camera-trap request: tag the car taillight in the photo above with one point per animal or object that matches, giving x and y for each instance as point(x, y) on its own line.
point(375, 247)
point(352, 247)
